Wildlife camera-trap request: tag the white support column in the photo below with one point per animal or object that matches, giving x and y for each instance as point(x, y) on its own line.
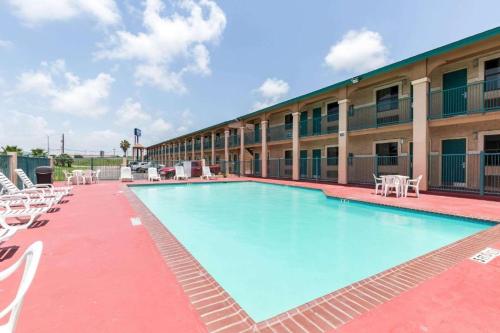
point(263, 139)
point(421, 131)
point(242, 150)
point(343, 141)
point(295, 146)
point(226, 149)
point(202, 142)
point(193, 140)
point(13, 167)
point(213, 147)
point(185, 149)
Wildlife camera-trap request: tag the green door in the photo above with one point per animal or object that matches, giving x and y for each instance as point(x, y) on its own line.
point(316, 163)
point(256, 133)
point(303, 123)
point(453, 162)
point(303, 164)
point(256, 161)
point(317, 121)
point(455, 93)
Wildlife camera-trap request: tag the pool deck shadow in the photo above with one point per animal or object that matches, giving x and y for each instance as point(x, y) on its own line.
point(100, 273)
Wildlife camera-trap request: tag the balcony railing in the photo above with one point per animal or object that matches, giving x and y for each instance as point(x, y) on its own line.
point(362, 168)
point(252, 137)
point(477, 97)
point(319, 169)
point(219, 143)
point(380, 114)
point(197, 146)
point(207, 144)
point(234, 140)
point(280, 132)
point(327, 124)
point(279, 168)
point(189, 147)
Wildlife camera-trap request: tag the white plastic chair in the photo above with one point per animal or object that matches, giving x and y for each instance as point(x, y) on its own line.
point(96, 175)
point(414, 184)
point(126, 174)
point(379, 183)
point(31, 257)
point(153, 174)
point(68, 176)
point(206, 173)
point(392, 183)
point(179, 172)
point(87, 175)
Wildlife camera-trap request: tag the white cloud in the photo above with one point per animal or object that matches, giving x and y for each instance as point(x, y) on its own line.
point(23, 129)
point(271, 91)
point(34, 12)
point(5, 43)
point(358, 51)
point(131, 112)
point(160, 126)
point(170, 46)
point(74, 96)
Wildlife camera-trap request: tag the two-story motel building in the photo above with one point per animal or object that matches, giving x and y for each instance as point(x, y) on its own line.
point(436, 114)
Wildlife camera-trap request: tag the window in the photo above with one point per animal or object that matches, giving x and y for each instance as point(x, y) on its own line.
point(492, 144)
point(332, 155)
point(492, 74)
point(387, 99)
point(387, 153)
point(288, 157)
point(288, 122)
point(332, 111)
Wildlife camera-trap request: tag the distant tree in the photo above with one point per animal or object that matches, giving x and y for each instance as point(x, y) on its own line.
point(38, 152)
point(12, 149)
point(63, 160)
point(124, 145)
point(78, 156)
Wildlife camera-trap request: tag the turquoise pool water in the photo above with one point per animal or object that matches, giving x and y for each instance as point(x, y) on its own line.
point(273, 248)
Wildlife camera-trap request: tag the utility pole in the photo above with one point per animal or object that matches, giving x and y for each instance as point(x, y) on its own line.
point(62, 144)
point(48, 145)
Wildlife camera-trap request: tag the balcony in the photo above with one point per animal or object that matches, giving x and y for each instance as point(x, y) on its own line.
point(234, 140)
point(280, 132)
point(380, 114)
point(477, 97)
point(252, 137)
point(197, 146)
point(319, 126)
point(207, 144)
point(219, 143)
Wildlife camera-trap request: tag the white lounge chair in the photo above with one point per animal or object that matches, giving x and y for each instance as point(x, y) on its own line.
point(7, 231)
point(10, 188)
point(414, 184)
point(153, 174)
point(31, 213)
point(179, 172)
point(46, 188)
point(392, 183)
point(206, 173)
point(379, 183)
point(31, 259)
point(126, 174)
point(23, 200)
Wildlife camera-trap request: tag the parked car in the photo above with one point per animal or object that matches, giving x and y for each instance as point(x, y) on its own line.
point(144, 166)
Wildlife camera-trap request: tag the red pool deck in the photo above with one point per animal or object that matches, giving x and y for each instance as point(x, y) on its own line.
point(99, 273)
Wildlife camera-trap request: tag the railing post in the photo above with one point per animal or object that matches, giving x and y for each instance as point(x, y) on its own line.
point(91, 163)
point(481, 172)
point(375, 165)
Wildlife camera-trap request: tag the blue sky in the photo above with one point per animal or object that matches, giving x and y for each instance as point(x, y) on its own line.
point(95, 69)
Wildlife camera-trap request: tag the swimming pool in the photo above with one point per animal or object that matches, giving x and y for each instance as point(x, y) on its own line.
point(273, 248)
